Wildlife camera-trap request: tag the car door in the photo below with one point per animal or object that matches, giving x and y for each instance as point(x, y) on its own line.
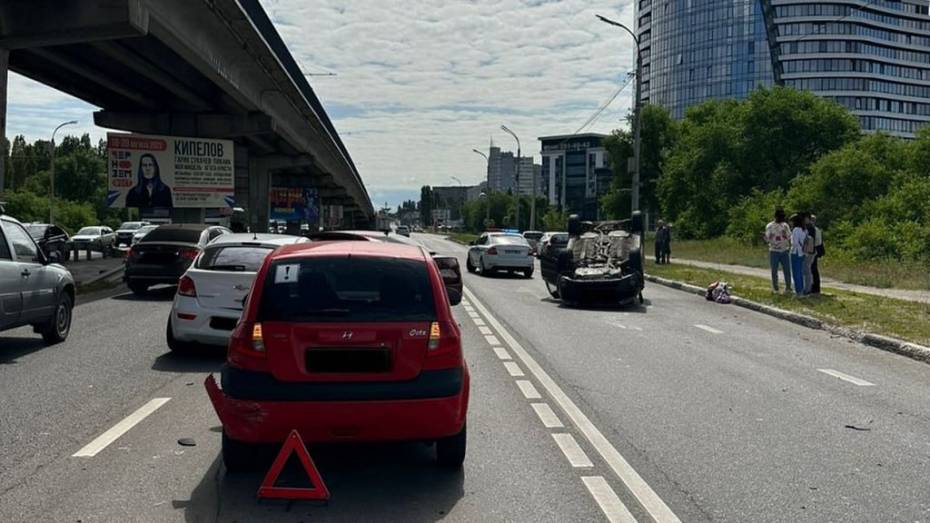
point(11, 295)
point(475, 251)
point(39, 284)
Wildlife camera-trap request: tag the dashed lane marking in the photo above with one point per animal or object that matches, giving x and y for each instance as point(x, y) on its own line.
point(502, 353)
point(492, 340)
point(648, 498)
point(547, 416)
point(846, 377)
point(514, 369)
point(478, 321)
point(708, 329)
point(607, 499)
point(528, 389)
point(484, 330)
point(102, 441)
point(572, 450)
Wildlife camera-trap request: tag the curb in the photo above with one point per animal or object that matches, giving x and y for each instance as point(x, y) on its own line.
point(104, 275)
point(878, 341)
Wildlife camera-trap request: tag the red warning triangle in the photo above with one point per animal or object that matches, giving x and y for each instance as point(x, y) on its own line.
point(293, 444)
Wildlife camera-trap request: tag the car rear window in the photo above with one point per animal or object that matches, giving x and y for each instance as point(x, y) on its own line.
point(162, 234)
point(347, 289)
point(128, 226)
point(508, 240)
point(234, 258)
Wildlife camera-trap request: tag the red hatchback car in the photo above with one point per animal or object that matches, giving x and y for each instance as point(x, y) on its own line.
point(345, 341)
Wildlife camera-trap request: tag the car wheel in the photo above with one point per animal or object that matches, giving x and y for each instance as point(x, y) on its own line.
point(484, 270)
point(528, 273)
point(139, 289)
point(238, 456)
point(175, 344)
point(59, 325)
point(468, 265)
point(553, 290)
point(450, 452)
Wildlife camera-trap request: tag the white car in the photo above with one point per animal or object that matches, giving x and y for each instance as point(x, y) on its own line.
point(500, 251)
point(403, 230)
point(98, 238)
point(126, 230)
point(141, 232)
point(211, 293)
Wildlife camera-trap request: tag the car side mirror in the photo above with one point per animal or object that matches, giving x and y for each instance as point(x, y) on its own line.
point(455, 297)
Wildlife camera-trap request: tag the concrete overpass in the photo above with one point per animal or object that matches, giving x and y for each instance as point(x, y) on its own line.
point(202, 68)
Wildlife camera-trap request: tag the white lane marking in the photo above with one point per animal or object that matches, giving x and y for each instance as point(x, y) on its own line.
point(492, 340)
point(619, 325)
point(474, 316)
point(501, 353)
point(647, 497)
point(528, 389)
point(708, 329)
point(607, 499)
point(477, 321)
point(102, 441)
point(572, 450)
point(846, 377)
point(640, 329)
point(547, 416)
point(514, 369)
point(485, 330)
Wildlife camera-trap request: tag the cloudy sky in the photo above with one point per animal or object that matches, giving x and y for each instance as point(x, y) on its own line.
point(419, 83)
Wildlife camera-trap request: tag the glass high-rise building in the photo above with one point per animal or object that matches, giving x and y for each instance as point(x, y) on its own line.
point(872, 57)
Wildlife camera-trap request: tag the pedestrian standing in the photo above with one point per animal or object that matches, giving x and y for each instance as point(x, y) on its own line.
point(819, 252)
point(666, 243)
point(798, 235)
point(660, 225)
point(809, 253)
point(778, 236)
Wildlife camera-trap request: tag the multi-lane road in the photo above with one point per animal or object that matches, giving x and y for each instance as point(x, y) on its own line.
point(678, 410)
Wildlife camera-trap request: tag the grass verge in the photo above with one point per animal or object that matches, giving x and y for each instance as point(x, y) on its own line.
point(464, 238)
point(902, 319)
point(838, 265)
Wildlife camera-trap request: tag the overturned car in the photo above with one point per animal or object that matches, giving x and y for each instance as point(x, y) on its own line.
point(603, 263)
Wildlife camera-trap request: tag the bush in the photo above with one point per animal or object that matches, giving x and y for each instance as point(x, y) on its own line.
point(747, 219)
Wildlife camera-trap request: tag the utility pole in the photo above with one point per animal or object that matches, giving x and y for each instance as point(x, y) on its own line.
point(51, 175)
point(517, 176)
point(637, 122)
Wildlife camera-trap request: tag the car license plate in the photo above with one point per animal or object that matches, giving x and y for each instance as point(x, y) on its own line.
point(511, 252)
point(349, 359)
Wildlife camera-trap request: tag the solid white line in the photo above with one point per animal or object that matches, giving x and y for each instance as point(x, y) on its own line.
point(708, 329)
point(546, 416)
point(607, 499)
point(529, 391)
point(492, 340)
point(647, 497)
point(485, 330)
point(572, 450)
point(501, 353)
point(846, 377)
point(477, 321)
point(91, 449)
point(514, 369)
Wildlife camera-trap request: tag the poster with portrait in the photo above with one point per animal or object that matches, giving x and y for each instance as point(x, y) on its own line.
point(294, 203)
point(169, 171)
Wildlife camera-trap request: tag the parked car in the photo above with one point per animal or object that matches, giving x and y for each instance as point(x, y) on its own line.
point(500, 251)
point(141, 232)
point(551, 240)
point(97, 238)
point(532, 238)
point(50, 238)
point(164, 254)
point(211, 293)
point(34, 289)
point(345, 341)
point(403, 230)
point(126, 230)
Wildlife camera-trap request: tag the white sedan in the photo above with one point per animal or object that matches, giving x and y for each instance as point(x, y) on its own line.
point(211, 293)
point(500, 251)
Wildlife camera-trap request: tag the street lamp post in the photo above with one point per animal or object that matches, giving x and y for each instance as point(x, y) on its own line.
point(517, 179)
point(487, 216)
point(637, 122)
point(51, 174)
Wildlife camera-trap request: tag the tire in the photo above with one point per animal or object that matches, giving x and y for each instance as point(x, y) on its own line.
point(59, 325)
point(450, 452)
point(175, 345)
point(469, 266)
point(528, 273)
point(238, 456)
point(139, 289)
point(484, 271)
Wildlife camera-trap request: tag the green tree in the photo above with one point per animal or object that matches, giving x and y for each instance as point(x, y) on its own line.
point(555, 220)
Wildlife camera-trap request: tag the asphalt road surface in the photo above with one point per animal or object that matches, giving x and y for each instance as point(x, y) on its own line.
point(678, 410)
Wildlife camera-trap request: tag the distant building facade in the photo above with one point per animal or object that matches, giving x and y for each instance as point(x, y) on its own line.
point(575, 173)
point(501, 169)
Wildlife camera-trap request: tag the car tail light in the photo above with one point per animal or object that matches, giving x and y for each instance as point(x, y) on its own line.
point(247, 347)
point(186, 287)
point(133, 253)
point(444, 350)
point(189, 254)
point(492, 250)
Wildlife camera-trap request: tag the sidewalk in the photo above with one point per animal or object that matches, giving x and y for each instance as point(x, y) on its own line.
point(900, 294)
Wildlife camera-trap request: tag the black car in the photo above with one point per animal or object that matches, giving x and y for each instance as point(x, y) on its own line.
point(162, 256)
point(50, 238)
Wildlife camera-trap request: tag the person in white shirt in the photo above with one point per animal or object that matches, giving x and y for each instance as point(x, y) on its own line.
point(798, 236)
point(778, 236)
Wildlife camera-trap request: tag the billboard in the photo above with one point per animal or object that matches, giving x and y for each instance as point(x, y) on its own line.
point(294, 203)
point(169, 171)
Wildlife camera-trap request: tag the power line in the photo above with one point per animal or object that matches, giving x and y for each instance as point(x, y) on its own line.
point(606, 104)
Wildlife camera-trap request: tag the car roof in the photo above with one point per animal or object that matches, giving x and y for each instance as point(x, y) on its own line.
point(187, 226)
point(264, 239)
point(349, 248)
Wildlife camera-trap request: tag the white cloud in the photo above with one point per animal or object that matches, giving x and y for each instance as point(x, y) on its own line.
point(421, 82)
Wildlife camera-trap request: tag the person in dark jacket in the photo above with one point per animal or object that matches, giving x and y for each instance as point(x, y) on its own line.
point(663, 242)
point(819, 251)
point(149, 191)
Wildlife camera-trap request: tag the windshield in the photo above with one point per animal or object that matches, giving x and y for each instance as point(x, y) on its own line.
point(130, 226)
point(88, 231)
point(234, 258)
point(348, 290)
point(36, 231)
